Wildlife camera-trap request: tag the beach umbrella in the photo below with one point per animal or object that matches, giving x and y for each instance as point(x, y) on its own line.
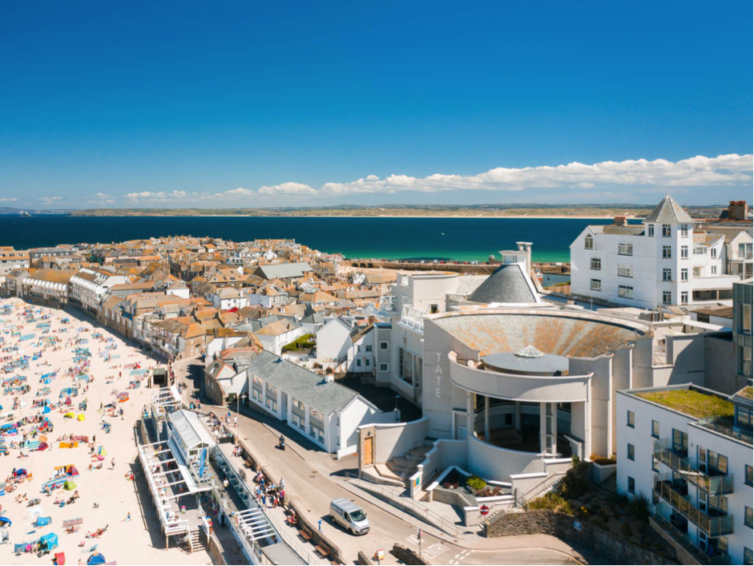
point(5, 522)
point(96, 558)
point(46, 410)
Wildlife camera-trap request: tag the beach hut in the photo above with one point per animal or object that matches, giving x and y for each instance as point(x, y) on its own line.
point(49, 541)
point(95, 558)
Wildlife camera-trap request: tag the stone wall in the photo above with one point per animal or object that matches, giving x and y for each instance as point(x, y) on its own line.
point(720, 364)
point(542, 521)
point(408, 556)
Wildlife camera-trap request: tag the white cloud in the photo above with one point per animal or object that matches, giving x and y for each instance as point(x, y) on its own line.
point(239, 192)
point(288, 189)
point(50, 200)
point(12, 199)
point(697, 171)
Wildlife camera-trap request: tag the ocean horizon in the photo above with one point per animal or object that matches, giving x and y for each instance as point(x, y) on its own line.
point(450, 239)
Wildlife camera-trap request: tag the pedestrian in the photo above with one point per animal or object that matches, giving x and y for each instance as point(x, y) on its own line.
point(112, 463)
point(128, 517)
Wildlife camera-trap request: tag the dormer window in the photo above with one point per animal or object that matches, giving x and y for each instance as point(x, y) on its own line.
point(589, 242)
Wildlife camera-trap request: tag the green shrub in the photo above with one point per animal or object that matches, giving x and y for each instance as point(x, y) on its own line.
point(573, 485)
point(476, 483)
point(638, 508)
point(552, 501)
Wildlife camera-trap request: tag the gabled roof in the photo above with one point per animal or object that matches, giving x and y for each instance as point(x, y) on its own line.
point(668, 212)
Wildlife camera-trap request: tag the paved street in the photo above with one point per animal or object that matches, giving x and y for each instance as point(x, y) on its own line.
point(315, 479)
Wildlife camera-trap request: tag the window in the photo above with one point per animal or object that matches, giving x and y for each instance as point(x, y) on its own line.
point(680, 443)
point(631, 419)
point(596, 264)
point(713, 253)
point(748, 478)
point(631, 452)
point(712, 463)
point(748, 519)
point(684, 252)
point(631, 485)
point(666, 232)
point(384, 368)
point(651, 230)
point(384, 345)
point(358, 363)
point(625, 249)
point(369, 348)
point(684, 274)
point(667, 297)
point(713, 270)
point(667, 252)
point(656, 429)
point(434, 309)
point(684, 297)
point(367, 361)
point(684, 228)
point(625, 292)
point(625, 271)
point(667, 274)
point(748, 556)
point(700, 251)
point(589, 242)
point(595, 285)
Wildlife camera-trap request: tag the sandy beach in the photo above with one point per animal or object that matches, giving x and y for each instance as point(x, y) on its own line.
point(106, 495)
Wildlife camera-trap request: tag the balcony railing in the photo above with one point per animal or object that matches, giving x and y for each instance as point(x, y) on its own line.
point(687, 544)
point(413, 319)
point(672, 493)
point(716, 485)
point(726, 427)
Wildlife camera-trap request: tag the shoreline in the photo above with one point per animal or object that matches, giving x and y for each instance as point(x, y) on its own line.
point(481, 216)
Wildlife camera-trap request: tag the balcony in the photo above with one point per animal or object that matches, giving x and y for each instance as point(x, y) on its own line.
point(672, 493)
point(675, 536)
point(715, 485)
point(726, 427)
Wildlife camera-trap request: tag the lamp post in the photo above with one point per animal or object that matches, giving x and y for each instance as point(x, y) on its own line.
point(238, 412)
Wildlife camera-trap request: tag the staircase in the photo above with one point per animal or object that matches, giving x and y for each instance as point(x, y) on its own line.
point(610, 485)
point(406, 466)
point(196, 541)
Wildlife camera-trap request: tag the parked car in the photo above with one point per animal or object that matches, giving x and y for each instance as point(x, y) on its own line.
point(349, 516)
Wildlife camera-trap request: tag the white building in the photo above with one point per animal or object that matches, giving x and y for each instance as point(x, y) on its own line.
point(227, 298)
point(90, 286)
point(325, 412)
point(688, 450)
point(333, 342)
point(666, 261)
point(278, 334)
point(11, 259)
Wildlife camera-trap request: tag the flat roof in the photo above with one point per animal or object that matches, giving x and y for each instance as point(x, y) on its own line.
point(694, 402)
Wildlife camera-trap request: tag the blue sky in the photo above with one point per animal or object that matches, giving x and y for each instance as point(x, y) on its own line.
point(242, 104)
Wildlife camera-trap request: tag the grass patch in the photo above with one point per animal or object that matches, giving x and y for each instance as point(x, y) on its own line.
point(691, 403)
point(305, 342)
point(552, 501)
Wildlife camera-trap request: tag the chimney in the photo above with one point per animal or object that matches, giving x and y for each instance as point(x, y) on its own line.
point(737, 210)
point(620, 221)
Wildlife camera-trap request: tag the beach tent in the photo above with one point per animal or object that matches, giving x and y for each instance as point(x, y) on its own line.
point(72, 471)
point(42, 521)
point(5, 522)
point(42, 446)
point(81, 417)
point(69, 485)
point(46, 410)
point(69, 415)
point(60, 559)
point(21, 472)
point(96, 558)
point(49, 541)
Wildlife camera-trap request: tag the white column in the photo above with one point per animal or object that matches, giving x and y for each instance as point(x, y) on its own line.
point(542, 427)
point(469, 413)
point(486, 418)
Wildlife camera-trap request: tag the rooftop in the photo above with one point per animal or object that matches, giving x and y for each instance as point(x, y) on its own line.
point(692, 402)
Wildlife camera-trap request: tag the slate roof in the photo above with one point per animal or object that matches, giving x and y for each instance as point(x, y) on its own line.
point(326, 397)
point(282, 270)
point(507, 284)
point(668, 212)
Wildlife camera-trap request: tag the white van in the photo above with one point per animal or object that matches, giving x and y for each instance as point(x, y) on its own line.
point(349, 516)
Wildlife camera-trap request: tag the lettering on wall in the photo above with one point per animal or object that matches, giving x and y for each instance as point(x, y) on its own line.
point(438, 376)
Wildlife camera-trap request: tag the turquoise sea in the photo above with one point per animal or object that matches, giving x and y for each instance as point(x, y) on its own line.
point(459, 239)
